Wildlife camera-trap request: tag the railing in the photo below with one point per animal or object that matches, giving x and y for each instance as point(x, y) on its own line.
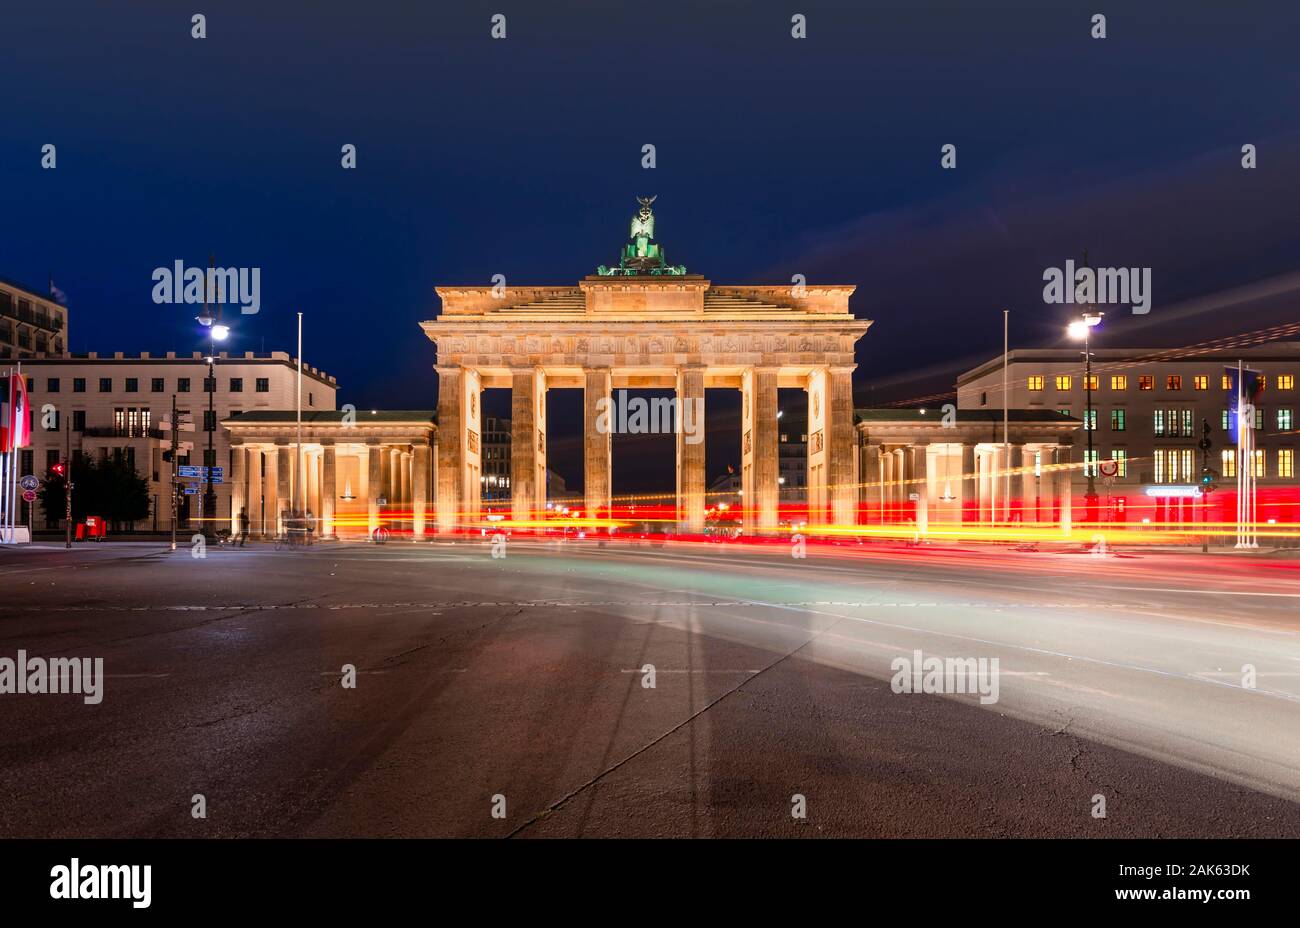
point(99, 431)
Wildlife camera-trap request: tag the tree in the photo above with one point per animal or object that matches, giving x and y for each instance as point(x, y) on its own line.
point(110, 489)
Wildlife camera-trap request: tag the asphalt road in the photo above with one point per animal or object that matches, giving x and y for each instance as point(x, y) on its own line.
point(522, 677)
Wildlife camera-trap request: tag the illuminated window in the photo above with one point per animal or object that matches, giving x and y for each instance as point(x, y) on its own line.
point(1227, 382)
point(1036, 383)
point(1285, 462)
point(1063, 381)
point(1173, 382)
point(1090, 419)
point(1286, 381)
point(1120, 457)
point(1284, 420)
point(1119, 382)
point(1158, 422)
point(1090, 462)
point(1258, 462)
point(1228, 467)
point(1228, 420)
point(1259, 419)
point(1200, 382)
point(1064, 412)
point(1117, 423)
point(1090, 383)
point(1262, 381)
point(1146, 382)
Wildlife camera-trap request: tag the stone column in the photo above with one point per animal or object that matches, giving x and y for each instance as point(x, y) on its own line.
point(406, 459)
point(1061, 480)
point(1028, 485)
point(374, 486)
point(818, 469)
point(271, 492)
point(871, 479)
point(597, 479)
point(969, 485)
point(459, 461)
point(920, 467)
point(839, 445)
point(238, 486)
point(690, 450)
point(419, 488)
point(283, 474)
point(329, 493)
point(528, 444)
point(760, 462)
point(1015, 497)
point(253, 467)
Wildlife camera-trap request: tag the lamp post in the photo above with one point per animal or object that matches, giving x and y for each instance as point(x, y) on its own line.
point(1082, 328)
point(217, 332)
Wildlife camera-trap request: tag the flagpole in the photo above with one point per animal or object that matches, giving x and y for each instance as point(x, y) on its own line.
point(297, 451)
point(1006, 400)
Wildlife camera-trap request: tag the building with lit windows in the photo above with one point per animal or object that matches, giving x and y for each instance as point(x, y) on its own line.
point(1149, 406)
point(30, 324)
point(112, 406)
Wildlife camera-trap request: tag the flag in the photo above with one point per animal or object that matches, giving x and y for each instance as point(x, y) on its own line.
point(58, 295)
point(15, 421)
point(1252, 385)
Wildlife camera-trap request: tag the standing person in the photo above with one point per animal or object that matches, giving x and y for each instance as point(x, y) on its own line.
point(311, 526)
point(243, 525)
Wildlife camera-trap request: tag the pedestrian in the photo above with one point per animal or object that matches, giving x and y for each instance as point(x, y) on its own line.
point(243, 525)
point(311, 526)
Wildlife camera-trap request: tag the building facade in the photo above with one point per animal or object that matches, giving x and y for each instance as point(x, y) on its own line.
point(1149, 406)
point(30, 324)
point(112, 406)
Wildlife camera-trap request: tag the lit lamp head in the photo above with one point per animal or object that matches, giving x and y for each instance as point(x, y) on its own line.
point(1080, 327)
point(220, 332)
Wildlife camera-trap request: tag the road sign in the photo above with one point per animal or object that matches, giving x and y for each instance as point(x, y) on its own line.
point(1108, 468)
point(29, 482)
point(29, 495)
point(191, 491)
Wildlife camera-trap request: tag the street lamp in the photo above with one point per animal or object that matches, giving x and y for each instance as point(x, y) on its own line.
point(1082, 328)
point(217, 332)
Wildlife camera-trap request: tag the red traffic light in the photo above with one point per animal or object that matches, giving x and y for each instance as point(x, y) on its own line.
point(60, 468)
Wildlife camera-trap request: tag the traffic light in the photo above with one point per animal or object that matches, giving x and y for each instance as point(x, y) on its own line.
point(59, 469)
point(1208, 476)
point(168, 455)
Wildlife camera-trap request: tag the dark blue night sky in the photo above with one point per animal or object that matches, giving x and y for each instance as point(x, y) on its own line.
point(775, 156)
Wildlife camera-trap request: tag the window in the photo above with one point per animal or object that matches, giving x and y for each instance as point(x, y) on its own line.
point(236, 384)
point(105, 384)
point(1286, 381)
point(1036, 383)
point(311, 399)
point(1090, 419)
point(1226, 382)
point(1284, 420)
point(1228, 462)
point(52, 385)
point(78, 420)
point(1174, 465)
point(1258, 463)
point(1146, 382)
point(209, 420)
point(1090, 382)
point(1228, 420)
point(209, 385)
point(1090, 462)
point(1064, 412)
point(132, 385)
point(1119, 382)
point(1120, 457)
point(78, 384)
point(1262, 381)
point(182, 385)
point(1173, 382)
point(1285, 462)
point(156, 385)
point(119, 420)
point(263, 385)
point(1259, 419)
point(1117, 417)
point(1172, 423)
point(1200, 382)
point(1063, 381)
point(984, 397)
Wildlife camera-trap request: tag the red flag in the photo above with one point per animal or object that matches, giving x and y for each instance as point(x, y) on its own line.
point(15, 422)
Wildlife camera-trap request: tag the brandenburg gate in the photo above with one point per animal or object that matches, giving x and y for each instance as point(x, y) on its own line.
point(646, 324)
